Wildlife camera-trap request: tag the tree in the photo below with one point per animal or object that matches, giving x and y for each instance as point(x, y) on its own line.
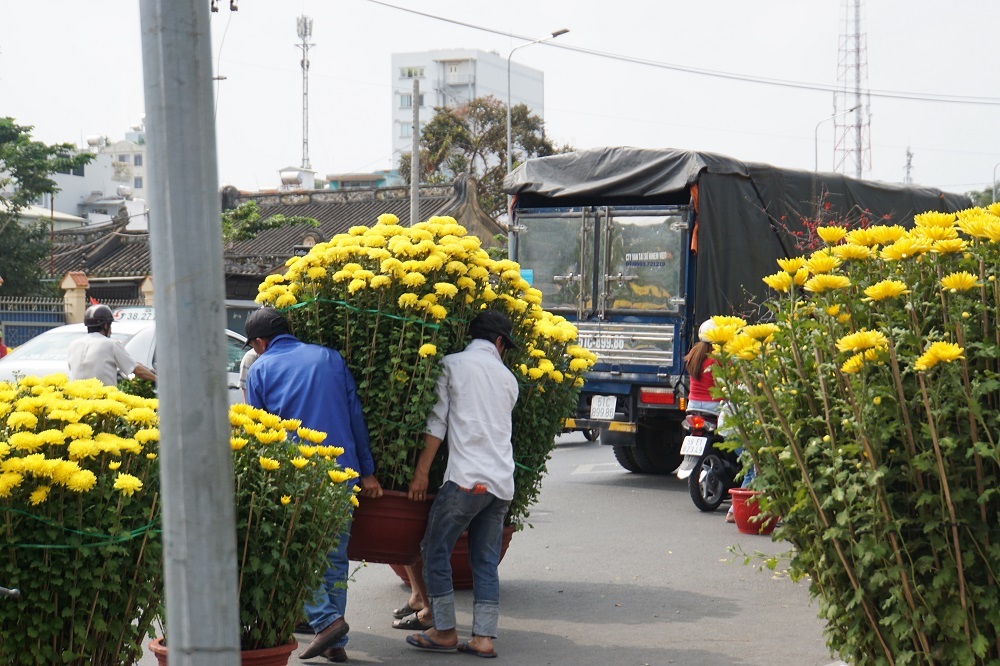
point(25, 167)
point(472, 139)
point(244, 222)
point(983, 197)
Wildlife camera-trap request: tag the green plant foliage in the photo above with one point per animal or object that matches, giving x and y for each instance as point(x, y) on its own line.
point(245, 222)
point(291, 502)
point(79, 522)
point(393, 301)
point(871, 406)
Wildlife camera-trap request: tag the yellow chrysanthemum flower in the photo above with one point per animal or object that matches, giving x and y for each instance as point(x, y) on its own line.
point(81, 481)
point(725, 320)
point(338, 476)
point(354, 501)
point(780, 282)
point(801, 276)
point(821, 262)
point(114, 464)
point(285, 301)
point(938, 352)
point(408, 300)
point(886, 289)
point(831, 235)
point(316, 273)
point(22, 420)
point(427, 350)
point(535, 373)
point(851, 251)
point(862, 340)
point(860, 237)
point(299, 462)
point(307, 451)
point(127, 484)
point(953, 246)
point(853, 364)
point(743, 346)
point(25, 441)
point(883, 234)
point(907, 247)
point(792, 264)
point(934, 219)
point(311, 436)
point(760, 331)
point(578, 365)
point(286, 499)
point(356, 285)
point(959, 281)
point(720, 335)
point(330, 451)
point(438, 312)
point(269, 464)
point(936, 233)
point(39, 494)
point(824, 282)
point(380, 281)
point(413, 279)
point(142, 416)
point(237, 443)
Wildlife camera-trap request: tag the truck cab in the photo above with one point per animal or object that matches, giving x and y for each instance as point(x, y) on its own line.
point(621, 274)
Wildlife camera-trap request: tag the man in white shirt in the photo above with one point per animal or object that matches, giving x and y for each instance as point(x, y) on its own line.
point(476, 397)
point(96, 355)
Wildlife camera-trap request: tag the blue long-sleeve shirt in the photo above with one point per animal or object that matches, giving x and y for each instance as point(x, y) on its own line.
point(312, 383)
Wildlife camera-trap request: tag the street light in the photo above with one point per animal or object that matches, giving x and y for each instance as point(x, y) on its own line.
point(510, 156)
point(816, 134)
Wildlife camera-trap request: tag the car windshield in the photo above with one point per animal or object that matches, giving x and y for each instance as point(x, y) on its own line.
point(54, 346)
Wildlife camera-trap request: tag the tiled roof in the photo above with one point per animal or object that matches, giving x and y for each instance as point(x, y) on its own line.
point(110, 251)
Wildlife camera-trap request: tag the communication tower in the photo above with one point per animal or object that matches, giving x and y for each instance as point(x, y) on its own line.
point(852, 149)
point(305, 28)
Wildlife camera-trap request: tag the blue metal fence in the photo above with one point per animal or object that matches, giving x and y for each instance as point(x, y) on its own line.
point(23, 318)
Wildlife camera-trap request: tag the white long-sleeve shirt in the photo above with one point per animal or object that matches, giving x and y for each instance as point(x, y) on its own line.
point(476, 397)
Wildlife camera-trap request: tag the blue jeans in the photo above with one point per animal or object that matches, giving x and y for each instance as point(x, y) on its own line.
point(454, 511)
point(329, 602)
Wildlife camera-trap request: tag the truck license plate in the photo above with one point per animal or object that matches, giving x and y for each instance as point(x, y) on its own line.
point(693, 446)
point(603, 407)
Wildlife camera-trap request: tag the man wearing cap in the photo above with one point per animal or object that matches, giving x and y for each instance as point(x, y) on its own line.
point(476, 396)
point(312, 383)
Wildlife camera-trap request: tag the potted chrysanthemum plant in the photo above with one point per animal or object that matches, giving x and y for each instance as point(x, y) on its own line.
point(292, 499)
point(79, 522)
point(870, 408)
point(393, 301)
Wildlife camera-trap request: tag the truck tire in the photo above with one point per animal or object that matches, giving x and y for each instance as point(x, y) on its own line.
point(591, 434)
point(656, 446)
point(623, 454)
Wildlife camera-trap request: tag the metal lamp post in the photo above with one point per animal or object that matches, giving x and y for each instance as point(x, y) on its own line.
point(510, 156)
point(816, 134)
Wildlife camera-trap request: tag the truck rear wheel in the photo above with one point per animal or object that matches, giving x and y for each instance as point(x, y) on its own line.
point(657, 450)
point(623, 454)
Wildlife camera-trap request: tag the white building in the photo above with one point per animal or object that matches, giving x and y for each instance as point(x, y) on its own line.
point(451, 77)
point(129, 160)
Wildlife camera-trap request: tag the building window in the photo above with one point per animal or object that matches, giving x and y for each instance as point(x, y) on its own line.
point(406, 101)
point(123, 158)
point(411, 72)
point(78, 171)
point(138, 159)
point(405, 131)
point(137, 182)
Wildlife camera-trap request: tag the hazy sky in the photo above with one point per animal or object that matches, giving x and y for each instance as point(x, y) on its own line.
point(73, 68)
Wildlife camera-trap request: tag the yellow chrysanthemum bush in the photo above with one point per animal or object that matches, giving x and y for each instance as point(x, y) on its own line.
point(79, 522)
point(872, 410)
point(394, 300)
point(292, 499)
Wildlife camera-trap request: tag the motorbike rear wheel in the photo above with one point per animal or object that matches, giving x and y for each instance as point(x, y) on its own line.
point(707, 483)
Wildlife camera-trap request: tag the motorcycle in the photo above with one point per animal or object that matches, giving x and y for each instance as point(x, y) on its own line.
point(710, 472)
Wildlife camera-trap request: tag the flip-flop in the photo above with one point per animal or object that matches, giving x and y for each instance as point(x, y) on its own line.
point(424, 642)
point(412, 623)
point(400, 613)
point(468, 649)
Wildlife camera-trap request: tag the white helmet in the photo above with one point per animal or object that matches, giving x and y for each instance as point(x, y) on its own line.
point(705, 327)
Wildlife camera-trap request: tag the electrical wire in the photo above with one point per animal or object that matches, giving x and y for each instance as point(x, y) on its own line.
point(733, 76)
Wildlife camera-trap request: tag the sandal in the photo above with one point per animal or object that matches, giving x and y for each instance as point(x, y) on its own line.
point(400, 613)
point(412, 623)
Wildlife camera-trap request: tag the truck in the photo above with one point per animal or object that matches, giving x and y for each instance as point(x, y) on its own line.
point(639, 246)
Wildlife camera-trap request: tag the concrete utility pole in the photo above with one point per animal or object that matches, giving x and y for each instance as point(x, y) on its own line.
point(415, 157)
point(199, 535)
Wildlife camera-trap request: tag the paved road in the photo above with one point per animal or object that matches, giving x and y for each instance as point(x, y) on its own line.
point(619, 569)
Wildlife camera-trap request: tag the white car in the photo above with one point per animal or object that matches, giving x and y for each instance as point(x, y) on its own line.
point(46, 354)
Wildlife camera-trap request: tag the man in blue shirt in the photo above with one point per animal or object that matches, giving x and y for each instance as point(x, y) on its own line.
point(312, 383)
